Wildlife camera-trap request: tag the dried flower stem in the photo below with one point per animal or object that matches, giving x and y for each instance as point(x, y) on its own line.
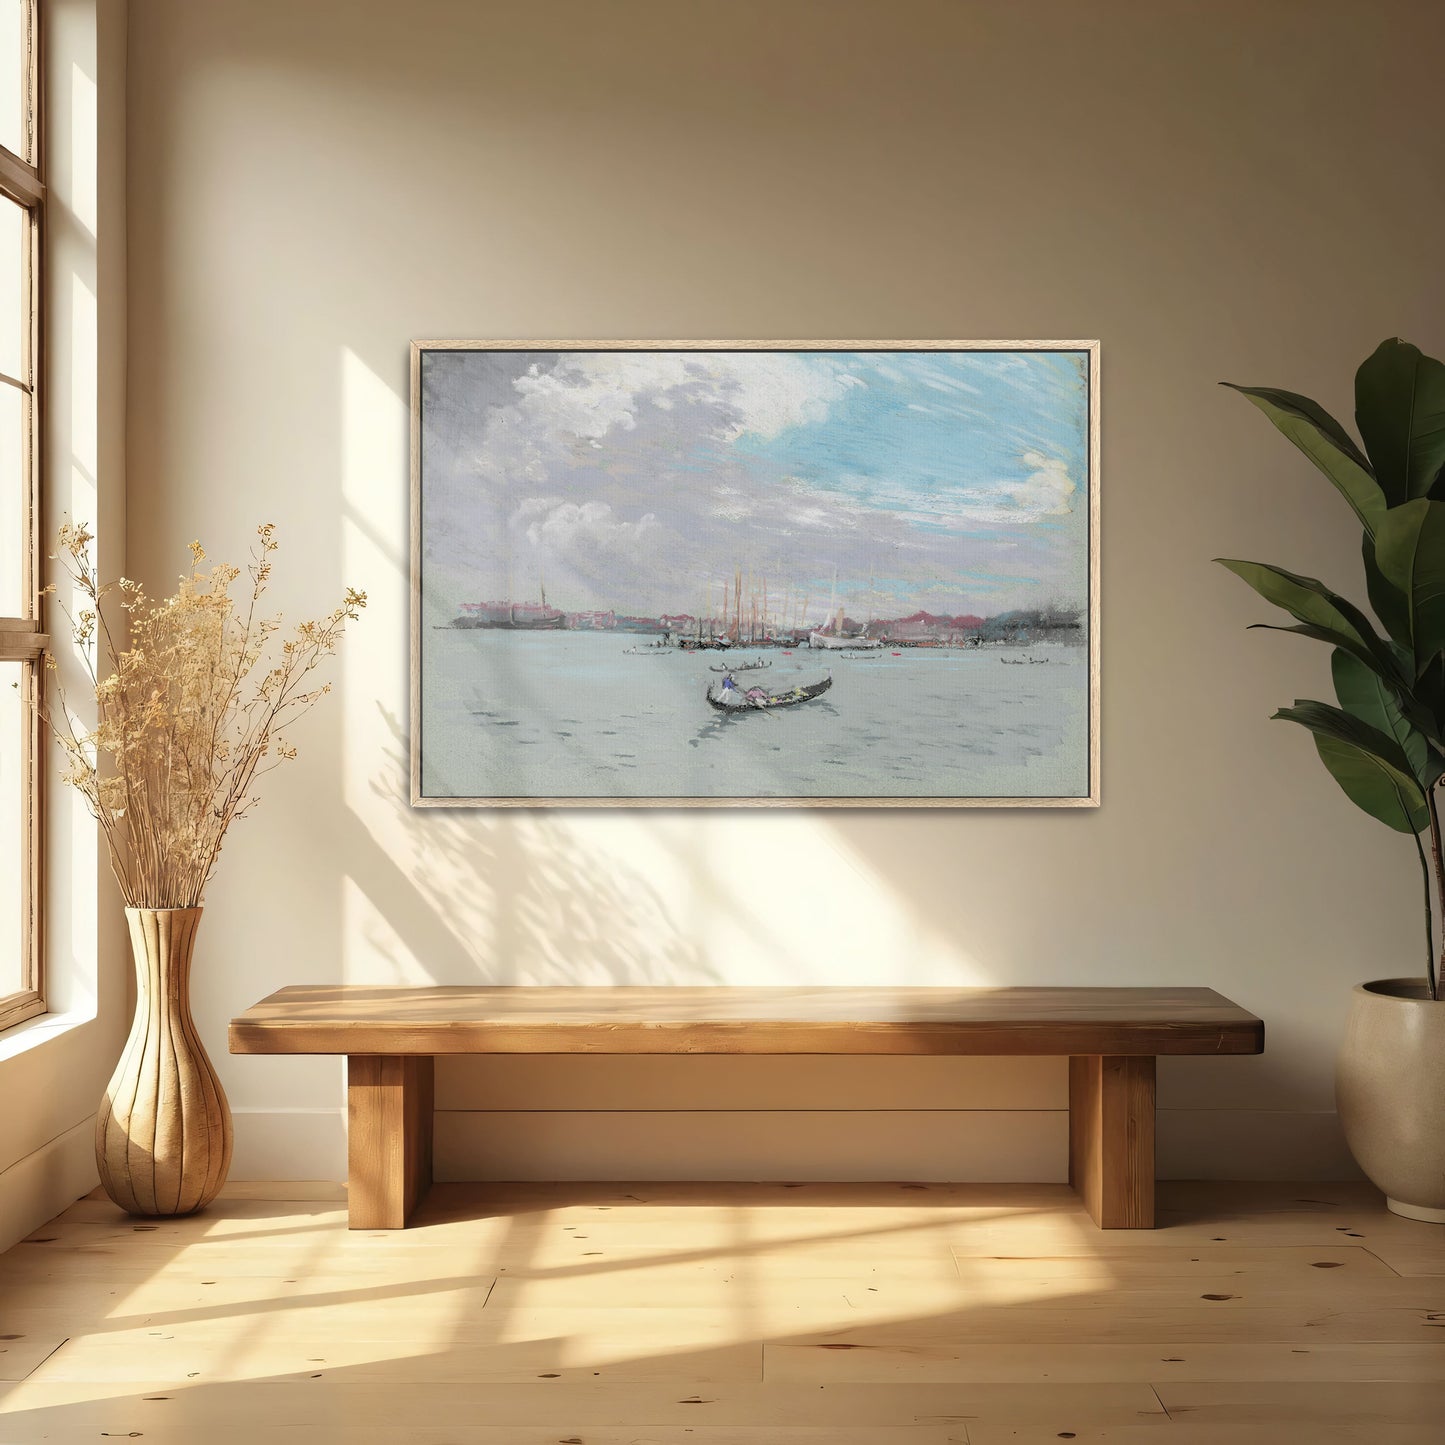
point(186, 713)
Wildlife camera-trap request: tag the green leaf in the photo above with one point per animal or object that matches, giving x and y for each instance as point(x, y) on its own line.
point(1426, 700)
point(1326, 443)
point(1400, 410)
point(1324, 614)
point(1410, 553)
point(1334, 639)
point(1423, 700)
point(1370, 767)
point(1387, 600)
point(1364, 694)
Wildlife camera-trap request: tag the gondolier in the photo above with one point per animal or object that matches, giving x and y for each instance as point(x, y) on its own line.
point(727, 696)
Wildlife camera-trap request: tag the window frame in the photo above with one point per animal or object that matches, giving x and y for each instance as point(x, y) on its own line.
point(22, 638)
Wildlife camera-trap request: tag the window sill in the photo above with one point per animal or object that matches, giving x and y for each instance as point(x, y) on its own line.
point(17, 1008)
point(35, 1033)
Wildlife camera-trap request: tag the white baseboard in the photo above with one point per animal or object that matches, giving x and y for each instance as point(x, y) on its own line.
point(289, 1144)
point(963, 1145)
point(1252, 1144)
point(41, 1185)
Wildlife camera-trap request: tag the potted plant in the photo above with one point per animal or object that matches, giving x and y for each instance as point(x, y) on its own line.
point(192, 698)
point(1383, 740)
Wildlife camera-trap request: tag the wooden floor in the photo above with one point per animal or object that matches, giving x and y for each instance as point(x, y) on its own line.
point(722, 1314)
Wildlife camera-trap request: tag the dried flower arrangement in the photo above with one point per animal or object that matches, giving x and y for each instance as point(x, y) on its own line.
point(190, 711)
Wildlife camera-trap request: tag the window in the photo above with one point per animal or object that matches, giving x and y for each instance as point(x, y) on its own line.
point(22, 201)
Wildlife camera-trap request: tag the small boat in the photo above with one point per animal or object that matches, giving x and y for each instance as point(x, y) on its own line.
point(756, 666)
point(651, 650)
point(832, 642)
point(727, 696)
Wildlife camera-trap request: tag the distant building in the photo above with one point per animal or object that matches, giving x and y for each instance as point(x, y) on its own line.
point(928, 627)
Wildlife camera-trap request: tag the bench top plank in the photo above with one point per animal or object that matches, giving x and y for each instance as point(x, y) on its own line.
point(360, 1019)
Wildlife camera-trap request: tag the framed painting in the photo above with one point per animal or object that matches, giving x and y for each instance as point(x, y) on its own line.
point(717, 573)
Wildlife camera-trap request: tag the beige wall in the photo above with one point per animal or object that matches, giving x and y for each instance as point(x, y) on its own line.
point(1225, 189)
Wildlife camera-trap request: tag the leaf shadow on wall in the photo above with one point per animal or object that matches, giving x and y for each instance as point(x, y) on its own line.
point(465, 896)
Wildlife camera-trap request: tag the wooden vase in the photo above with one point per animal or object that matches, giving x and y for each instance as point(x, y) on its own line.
point(163, 1134)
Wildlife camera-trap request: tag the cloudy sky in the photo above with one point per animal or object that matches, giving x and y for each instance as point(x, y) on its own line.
point(640, 481)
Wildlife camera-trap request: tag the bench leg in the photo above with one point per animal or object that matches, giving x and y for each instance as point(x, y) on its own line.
point(1111, 1138)
point(388, 1137)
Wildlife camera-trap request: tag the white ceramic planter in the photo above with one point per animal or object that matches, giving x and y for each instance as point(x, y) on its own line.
point(1390, 1090)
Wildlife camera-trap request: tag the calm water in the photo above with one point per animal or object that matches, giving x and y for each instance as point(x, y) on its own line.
point(571, 714)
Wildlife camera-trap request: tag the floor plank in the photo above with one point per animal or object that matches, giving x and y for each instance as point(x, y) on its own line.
point(1316, 1403)
point(1177, 1434)
point(926, 1357)
point(21, 1353)
point(189, 1354)
point(346, 1401)
point(1300, 1265)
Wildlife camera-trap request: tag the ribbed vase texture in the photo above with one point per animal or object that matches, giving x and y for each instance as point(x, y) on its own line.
point(163, 1134)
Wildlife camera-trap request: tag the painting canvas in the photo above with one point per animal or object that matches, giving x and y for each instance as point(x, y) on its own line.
point(715, 573)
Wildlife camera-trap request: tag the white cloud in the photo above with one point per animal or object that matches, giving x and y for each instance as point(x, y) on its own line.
point(1047, 491)
point(562, 526)
point(585, 395)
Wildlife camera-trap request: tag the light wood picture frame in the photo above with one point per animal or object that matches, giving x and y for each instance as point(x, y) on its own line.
point(623, 551)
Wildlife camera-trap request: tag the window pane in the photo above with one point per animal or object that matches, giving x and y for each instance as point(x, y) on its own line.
point(14, 73)
point(14, 294)
point(14, 487)
point(13, 678)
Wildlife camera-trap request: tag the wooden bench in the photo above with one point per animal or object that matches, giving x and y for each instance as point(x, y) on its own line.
point(390, 1037)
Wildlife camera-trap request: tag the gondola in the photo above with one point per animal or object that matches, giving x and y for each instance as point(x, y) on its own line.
point(727, 696)
point(742, 666)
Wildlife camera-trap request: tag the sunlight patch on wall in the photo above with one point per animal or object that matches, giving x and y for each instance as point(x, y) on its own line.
point(83, 440)
point(768, 898)
point(73, 436)
point(374, 951)
point(570, 897)
point(373, 659)
point(84, 163)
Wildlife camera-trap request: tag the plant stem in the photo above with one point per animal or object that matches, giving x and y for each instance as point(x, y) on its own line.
point(1429, 918)
point(1433, 979)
